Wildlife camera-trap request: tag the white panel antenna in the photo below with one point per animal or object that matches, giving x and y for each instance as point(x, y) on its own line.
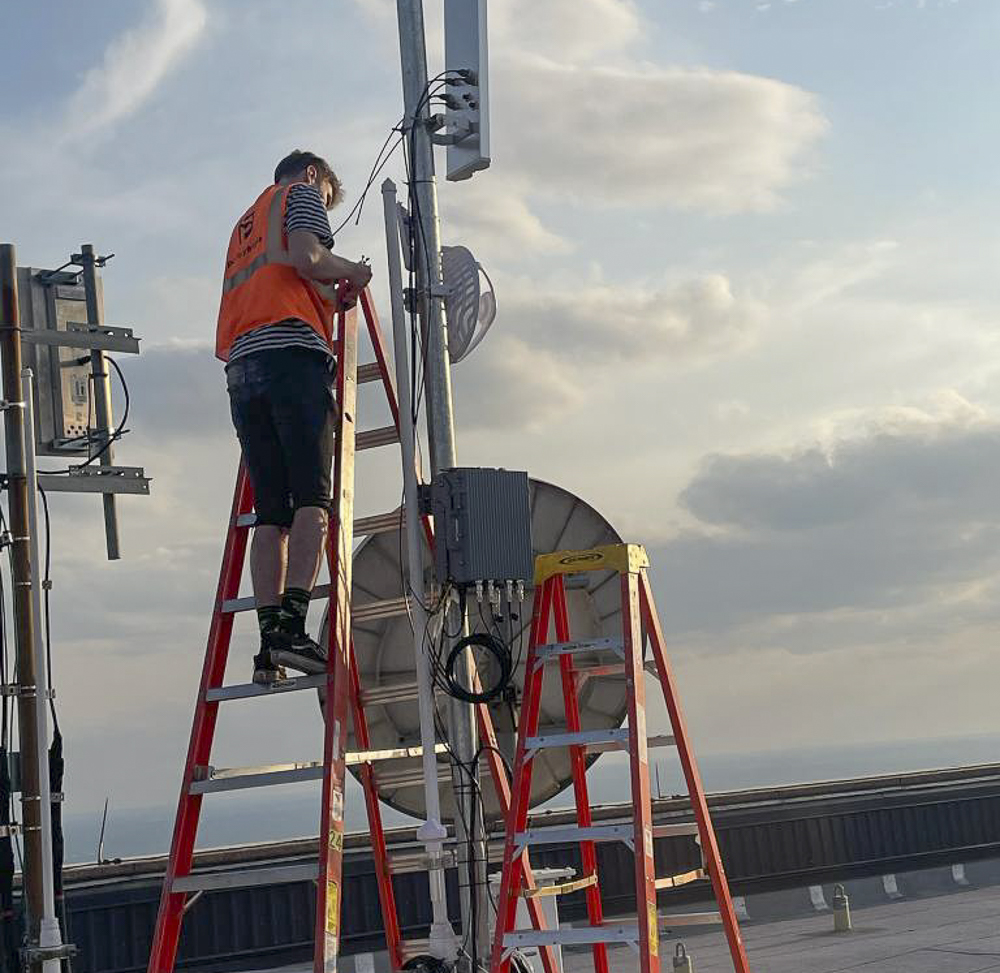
point(466, 118)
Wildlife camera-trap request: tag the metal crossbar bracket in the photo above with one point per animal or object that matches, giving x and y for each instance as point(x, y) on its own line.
point(97, 479)
point(78, 335)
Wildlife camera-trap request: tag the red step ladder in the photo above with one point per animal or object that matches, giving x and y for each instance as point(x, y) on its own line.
point(340, 685)
point(625, 655)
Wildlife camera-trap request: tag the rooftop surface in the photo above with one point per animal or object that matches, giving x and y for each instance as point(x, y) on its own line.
point(954, 933)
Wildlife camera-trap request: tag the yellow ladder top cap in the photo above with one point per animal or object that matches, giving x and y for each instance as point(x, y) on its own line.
point(623, 558)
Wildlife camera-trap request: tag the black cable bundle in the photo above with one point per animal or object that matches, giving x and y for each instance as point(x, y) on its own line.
point(10, 919)
point(57, 766)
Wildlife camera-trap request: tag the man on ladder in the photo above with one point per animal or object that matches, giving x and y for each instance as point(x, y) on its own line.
point(275, 333)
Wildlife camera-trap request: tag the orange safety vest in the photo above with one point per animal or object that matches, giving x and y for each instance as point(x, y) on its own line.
point(260, 285)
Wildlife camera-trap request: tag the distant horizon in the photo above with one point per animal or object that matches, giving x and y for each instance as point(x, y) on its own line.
point(147, 830)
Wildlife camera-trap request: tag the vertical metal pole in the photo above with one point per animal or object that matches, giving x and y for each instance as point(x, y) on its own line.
point(102, 396)
point(24, 629)
point(432, 833)
point(441, 437)
point(48, 934)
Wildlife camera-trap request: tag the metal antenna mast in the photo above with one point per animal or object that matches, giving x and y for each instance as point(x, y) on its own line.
point(441, 431)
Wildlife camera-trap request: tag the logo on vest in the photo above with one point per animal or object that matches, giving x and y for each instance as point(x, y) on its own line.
point(246, 226)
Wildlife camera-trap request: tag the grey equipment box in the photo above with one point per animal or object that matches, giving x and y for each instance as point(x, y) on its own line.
point(482, 522)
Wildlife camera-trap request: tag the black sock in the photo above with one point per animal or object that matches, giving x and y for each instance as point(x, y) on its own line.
point(294, 606)
point(268, 617)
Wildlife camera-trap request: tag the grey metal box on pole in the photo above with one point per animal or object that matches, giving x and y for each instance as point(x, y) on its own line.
point(483, 522)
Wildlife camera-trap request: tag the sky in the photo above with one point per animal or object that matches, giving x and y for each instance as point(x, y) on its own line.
point(745, 260)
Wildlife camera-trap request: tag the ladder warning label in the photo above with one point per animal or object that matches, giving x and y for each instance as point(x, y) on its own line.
point(332, 910)
point(654, 932)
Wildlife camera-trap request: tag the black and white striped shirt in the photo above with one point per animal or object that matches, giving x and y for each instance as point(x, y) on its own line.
point(303, 211)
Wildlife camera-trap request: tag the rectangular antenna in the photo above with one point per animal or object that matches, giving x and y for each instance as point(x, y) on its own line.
point(467, 126)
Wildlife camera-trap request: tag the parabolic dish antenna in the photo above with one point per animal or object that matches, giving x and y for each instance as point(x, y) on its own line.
point(469, 308)
point(384, 651)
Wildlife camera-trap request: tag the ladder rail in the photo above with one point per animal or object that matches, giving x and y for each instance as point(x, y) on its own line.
point(578, 760)
point(166, 934)
point(645, 864)
point(339, 558)
point(692, 776)
point(501, 784)
point(380, 855)
point(512, 874)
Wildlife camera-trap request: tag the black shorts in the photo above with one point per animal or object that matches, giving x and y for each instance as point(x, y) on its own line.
point(283, 407)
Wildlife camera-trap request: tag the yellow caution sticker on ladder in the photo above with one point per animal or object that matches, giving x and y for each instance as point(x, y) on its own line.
point(654, 931)
point(332, 908)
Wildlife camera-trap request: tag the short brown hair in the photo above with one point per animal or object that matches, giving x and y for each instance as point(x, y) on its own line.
point(296, 163)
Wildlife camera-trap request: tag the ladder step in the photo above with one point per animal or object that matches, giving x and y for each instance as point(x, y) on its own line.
point(555, 649)
point(595, 741)
point(609, 739)
point(245, 878)
point(674, 830)
point(400, 692)
point(239, 778)
point(685, 878)
point(563, 888)
point(364, 612)
point(373, 610)
point(669, 921)
point(376, 524)
point(412, 948)
point(608, 933)
point(214, 779)
point(369, 372)
point(379, 523)
point(624, 932)
point(414, 776)
point(558, 836)
point(405, 862)
point(372, 438)
point(248, 690)
point(660, 740)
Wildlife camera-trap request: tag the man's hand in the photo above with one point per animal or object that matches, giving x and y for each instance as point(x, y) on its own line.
point(359, 276)
point(353, 284)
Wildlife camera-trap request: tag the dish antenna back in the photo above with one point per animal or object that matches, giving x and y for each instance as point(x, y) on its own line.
point(384, 651)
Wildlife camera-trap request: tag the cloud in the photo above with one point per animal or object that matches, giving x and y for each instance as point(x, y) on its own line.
point(513, 387)
point(492, 217)
point(718, 141)
point(134, 65)
point(573, 31)
point(905, 463)
point(896, 519)
point(178, 392)
point(690, 320)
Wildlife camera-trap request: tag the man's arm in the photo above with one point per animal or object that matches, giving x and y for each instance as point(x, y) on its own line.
point(315, 263)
